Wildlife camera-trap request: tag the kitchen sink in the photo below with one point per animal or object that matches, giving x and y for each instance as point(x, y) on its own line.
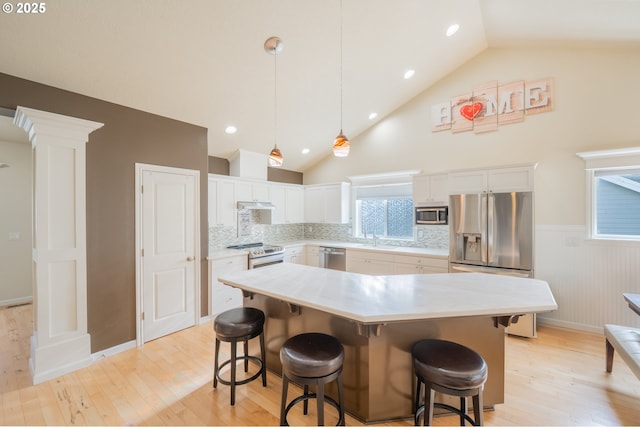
point(381, 247)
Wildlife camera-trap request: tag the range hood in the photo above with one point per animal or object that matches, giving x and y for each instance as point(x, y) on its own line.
point(256, 205)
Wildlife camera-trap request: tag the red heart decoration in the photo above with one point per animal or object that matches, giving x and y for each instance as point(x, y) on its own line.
point(470, 111)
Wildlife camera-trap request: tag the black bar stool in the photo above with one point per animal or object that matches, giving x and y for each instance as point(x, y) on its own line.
point(239, 324)
point(449, 368)
point(312, 359)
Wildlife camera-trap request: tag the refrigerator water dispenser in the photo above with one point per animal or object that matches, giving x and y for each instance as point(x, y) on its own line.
point(472, 247)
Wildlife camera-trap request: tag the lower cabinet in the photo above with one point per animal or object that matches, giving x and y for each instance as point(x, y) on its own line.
point(223, 297)
point(312, 255)
point(382, 263)
point(294, 254)
point(408, 264)
point(369, 262)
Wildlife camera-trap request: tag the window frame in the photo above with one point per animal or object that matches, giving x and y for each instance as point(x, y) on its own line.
point(383, 179)
point(357, 221)
point(600, 163)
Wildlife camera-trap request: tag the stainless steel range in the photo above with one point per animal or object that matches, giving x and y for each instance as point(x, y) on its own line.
point(261, 255)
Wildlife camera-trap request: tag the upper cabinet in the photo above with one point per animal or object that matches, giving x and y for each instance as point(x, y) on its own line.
point(289, 203)
point(225, 193)
point(430, 190)
point(247, 191)
point(222, 202)
point(498, 180)
point(294, 207)
point(327, 203)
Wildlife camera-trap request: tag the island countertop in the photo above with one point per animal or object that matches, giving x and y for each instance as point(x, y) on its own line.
point(380, 299)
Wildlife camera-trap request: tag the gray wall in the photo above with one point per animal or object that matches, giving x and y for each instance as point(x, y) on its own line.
point(129, 136)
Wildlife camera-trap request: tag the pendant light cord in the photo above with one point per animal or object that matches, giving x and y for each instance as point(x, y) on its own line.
point(275, 97)
point(341, 66)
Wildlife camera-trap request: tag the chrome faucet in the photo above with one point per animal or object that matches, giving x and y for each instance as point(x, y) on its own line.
point(375, 239)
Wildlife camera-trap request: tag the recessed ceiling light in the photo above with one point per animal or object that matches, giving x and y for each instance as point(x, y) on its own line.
point(230, 130)
point(409, 73)
point(452, 29)
point(373, 116)
point(305, 151)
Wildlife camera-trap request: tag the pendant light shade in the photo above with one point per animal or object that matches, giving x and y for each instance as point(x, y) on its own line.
point(273, 46)
point(341, 146)
point(341, 143)
point(275, 157)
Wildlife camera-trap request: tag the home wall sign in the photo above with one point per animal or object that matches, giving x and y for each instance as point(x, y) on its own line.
point(491, 105)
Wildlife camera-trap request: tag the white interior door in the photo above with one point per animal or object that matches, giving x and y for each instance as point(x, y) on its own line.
point(169, 250)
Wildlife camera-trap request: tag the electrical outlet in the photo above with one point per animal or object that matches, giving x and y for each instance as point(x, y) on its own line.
point(14, 235)
point(572, 241)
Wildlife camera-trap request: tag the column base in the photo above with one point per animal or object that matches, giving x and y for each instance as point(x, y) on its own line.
point(54, 360)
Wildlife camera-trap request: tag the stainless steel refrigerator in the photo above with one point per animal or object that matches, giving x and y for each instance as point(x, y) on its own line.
point(493, 233)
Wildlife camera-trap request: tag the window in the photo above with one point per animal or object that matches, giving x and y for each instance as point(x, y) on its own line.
point(613, 196)
point(616, 203)
point(384, 210)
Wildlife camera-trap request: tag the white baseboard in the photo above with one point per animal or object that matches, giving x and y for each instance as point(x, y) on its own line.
point(16, 301)
point(113, 350)
point(570, 325)
point(58, 358)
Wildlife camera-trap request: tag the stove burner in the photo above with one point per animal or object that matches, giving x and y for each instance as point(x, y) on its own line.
point(245, 246)
point(259, 249)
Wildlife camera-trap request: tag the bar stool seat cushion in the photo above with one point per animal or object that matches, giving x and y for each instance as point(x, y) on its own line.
point(239, 322)
point(449, 364)
point(311, 355)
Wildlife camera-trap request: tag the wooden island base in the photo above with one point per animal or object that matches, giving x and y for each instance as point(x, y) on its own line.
point(378, 376)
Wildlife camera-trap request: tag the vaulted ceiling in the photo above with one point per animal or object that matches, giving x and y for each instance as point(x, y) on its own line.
point(203, 61)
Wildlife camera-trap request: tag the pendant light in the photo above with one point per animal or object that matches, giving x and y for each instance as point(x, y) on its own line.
point(341, 143)
point(273, 46)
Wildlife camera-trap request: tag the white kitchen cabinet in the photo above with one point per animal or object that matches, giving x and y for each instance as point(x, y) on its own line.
point(294, 207)
point(312, 255)
point(313, 204)
point(327, 203)
point(223, 297)
point(277, 196)
point(247, 191)
point(468, 182)
point(226, 192)
point(497, 180)
point(222, 202)
point(369, 262)
point(212, 210)
point(430, 190)
point(510, 179)
point(295, 254)
point(288, 202)
point(419, 264)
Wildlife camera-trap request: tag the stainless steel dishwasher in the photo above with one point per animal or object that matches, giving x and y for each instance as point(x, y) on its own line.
point(334, 258)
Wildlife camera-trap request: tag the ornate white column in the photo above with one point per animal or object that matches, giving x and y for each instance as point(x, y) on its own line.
point(60, 342)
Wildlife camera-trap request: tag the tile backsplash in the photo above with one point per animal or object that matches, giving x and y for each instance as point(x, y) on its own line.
point(426, 236)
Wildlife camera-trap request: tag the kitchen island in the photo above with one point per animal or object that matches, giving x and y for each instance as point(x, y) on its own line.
point(379, 318)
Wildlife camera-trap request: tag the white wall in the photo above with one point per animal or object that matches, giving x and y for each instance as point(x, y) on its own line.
point(596, 107)
point(15, 216)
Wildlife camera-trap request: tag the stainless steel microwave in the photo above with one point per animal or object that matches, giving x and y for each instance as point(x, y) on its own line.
point(432, 215)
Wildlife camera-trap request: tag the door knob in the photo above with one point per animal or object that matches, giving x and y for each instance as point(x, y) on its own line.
point(190, 258)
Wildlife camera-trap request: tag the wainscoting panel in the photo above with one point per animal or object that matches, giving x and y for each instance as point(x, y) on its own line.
point(587, 277)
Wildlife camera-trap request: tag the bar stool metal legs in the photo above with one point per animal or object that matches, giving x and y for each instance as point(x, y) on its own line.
point(232, 326)
point(312, 359)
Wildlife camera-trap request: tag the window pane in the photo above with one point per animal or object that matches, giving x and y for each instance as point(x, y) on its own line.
point(372, 214)
point(400, 218)
point(618, 205)
point(386, 218)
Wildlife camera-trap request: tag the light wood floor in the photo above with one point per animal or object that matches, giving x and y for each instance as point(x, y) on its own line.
point(556, 379)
